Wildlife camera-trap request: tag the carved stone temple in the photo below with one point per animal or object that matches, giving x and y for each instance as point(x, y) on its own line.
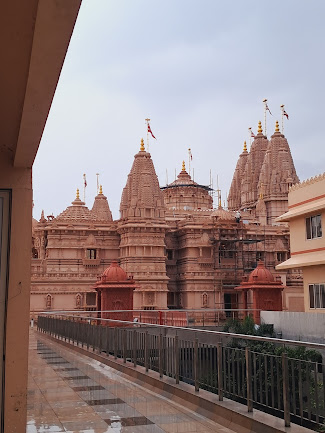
point(181, 252)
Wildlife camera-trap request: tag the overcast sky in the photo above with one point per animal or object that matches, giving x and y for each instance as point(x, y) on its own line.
point(200, 70)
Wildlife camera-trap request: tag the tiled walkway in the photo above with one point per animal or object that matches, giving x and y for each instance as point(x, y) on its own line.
point(68, 392)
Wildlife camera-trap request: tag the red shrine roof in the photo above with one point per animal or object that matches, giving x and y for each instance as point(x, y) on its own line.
point(260, 278)
point(114, 273)
point(114, 276)
point(260, 274)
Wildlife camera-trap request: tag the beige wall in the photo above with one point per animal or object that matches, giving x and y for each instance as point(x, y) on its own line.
point(16, 347)
point(305, 200)
point(298, 239)
point(309, 189)
point(313, 275)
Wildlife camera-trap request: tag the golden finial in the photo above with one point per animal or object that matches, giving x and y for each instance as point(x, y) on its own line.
point(77, 195)
point(277, 126)
point(259, 127)
point(142, 145)
point(183, 166)
point(100, 189)
point(245, 147)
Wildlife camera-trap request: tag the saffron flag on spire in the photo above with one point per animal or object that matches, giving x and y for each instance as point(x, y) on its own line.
point(252, 133)
point(285, 114)
point(85, 181)
point(149, 130)
point(267, 108)
point(190, 154)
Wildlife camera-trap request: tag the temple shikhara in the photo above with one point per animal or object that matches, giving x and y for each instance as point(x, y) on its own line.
point(175, 249)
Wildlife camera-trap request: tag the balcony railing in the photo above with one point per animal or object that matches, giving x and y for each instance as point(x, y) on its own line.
point(282, 377)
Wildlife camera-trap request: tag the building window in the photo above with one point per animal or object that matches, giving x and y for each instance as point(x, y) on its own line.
point(91, 253)
point(90, 299)
point(314, 227)
point(259, 255)
point(280, 257)
point(317, 295)
point(170, 255)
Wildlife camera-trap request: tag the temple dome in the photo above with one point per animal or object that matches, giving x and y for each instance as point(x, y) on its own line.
point(260, 275)
point(77, 212)
point(114, 273)
point(185, 194)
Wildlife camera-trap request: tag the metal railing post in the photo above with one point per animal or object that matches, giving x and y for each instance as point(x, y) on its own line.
point(285, 379)
point(249, 379)
point(100, 338)
point(176, 359)
point(134, 347)
point(124, 344)
point(87, 334)
point(220, 378)
point(196, 364)
point(146, 350)
point(160, 353)
point(115, 343)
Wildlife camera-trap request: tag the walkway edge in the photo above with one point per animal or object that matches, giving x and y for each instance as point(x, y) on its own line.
point(228, 413)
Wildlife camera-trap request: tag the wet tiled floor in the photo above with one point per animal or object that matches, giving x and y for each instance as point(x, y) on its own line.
point(68, 392)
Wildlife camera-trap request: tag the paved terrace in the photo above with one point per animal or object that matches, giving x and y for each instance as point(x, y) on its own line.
point(69, 392)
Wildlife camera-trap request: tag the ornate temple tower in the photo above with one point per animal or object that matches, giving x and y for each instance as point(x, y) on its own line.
point(101, 210)
point(234, 197)
point(278, 173)
point(142, 228)
point(249, 193)
point(185, 194)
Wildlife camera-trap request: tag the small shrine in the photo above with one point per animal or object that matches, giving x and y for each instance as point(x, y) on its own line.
point(115, 292)
point(261, 291)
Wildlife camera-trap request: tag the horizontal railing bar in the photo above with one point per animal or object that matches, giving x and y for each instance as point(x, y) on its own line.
point(206, 332)
point(202, 311)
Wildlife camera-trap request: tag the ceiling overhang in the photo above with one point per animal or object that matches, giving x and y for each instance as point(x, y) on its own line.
point(35, 36)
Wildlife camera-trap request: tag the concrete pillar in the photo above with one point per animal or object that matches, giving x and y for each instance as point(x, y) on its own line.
point(18, 181)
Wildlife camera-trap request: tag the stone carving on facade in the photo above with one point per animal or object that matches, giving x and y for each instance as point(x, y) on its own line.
point(78, 300)
point(205, 300)
point(48, 302)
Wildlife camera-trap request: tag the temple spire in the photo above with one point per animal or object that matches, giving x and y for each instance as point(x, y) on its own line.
point(259, 128)
point(245, 147)
point(142, 145)
point(183, 166)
